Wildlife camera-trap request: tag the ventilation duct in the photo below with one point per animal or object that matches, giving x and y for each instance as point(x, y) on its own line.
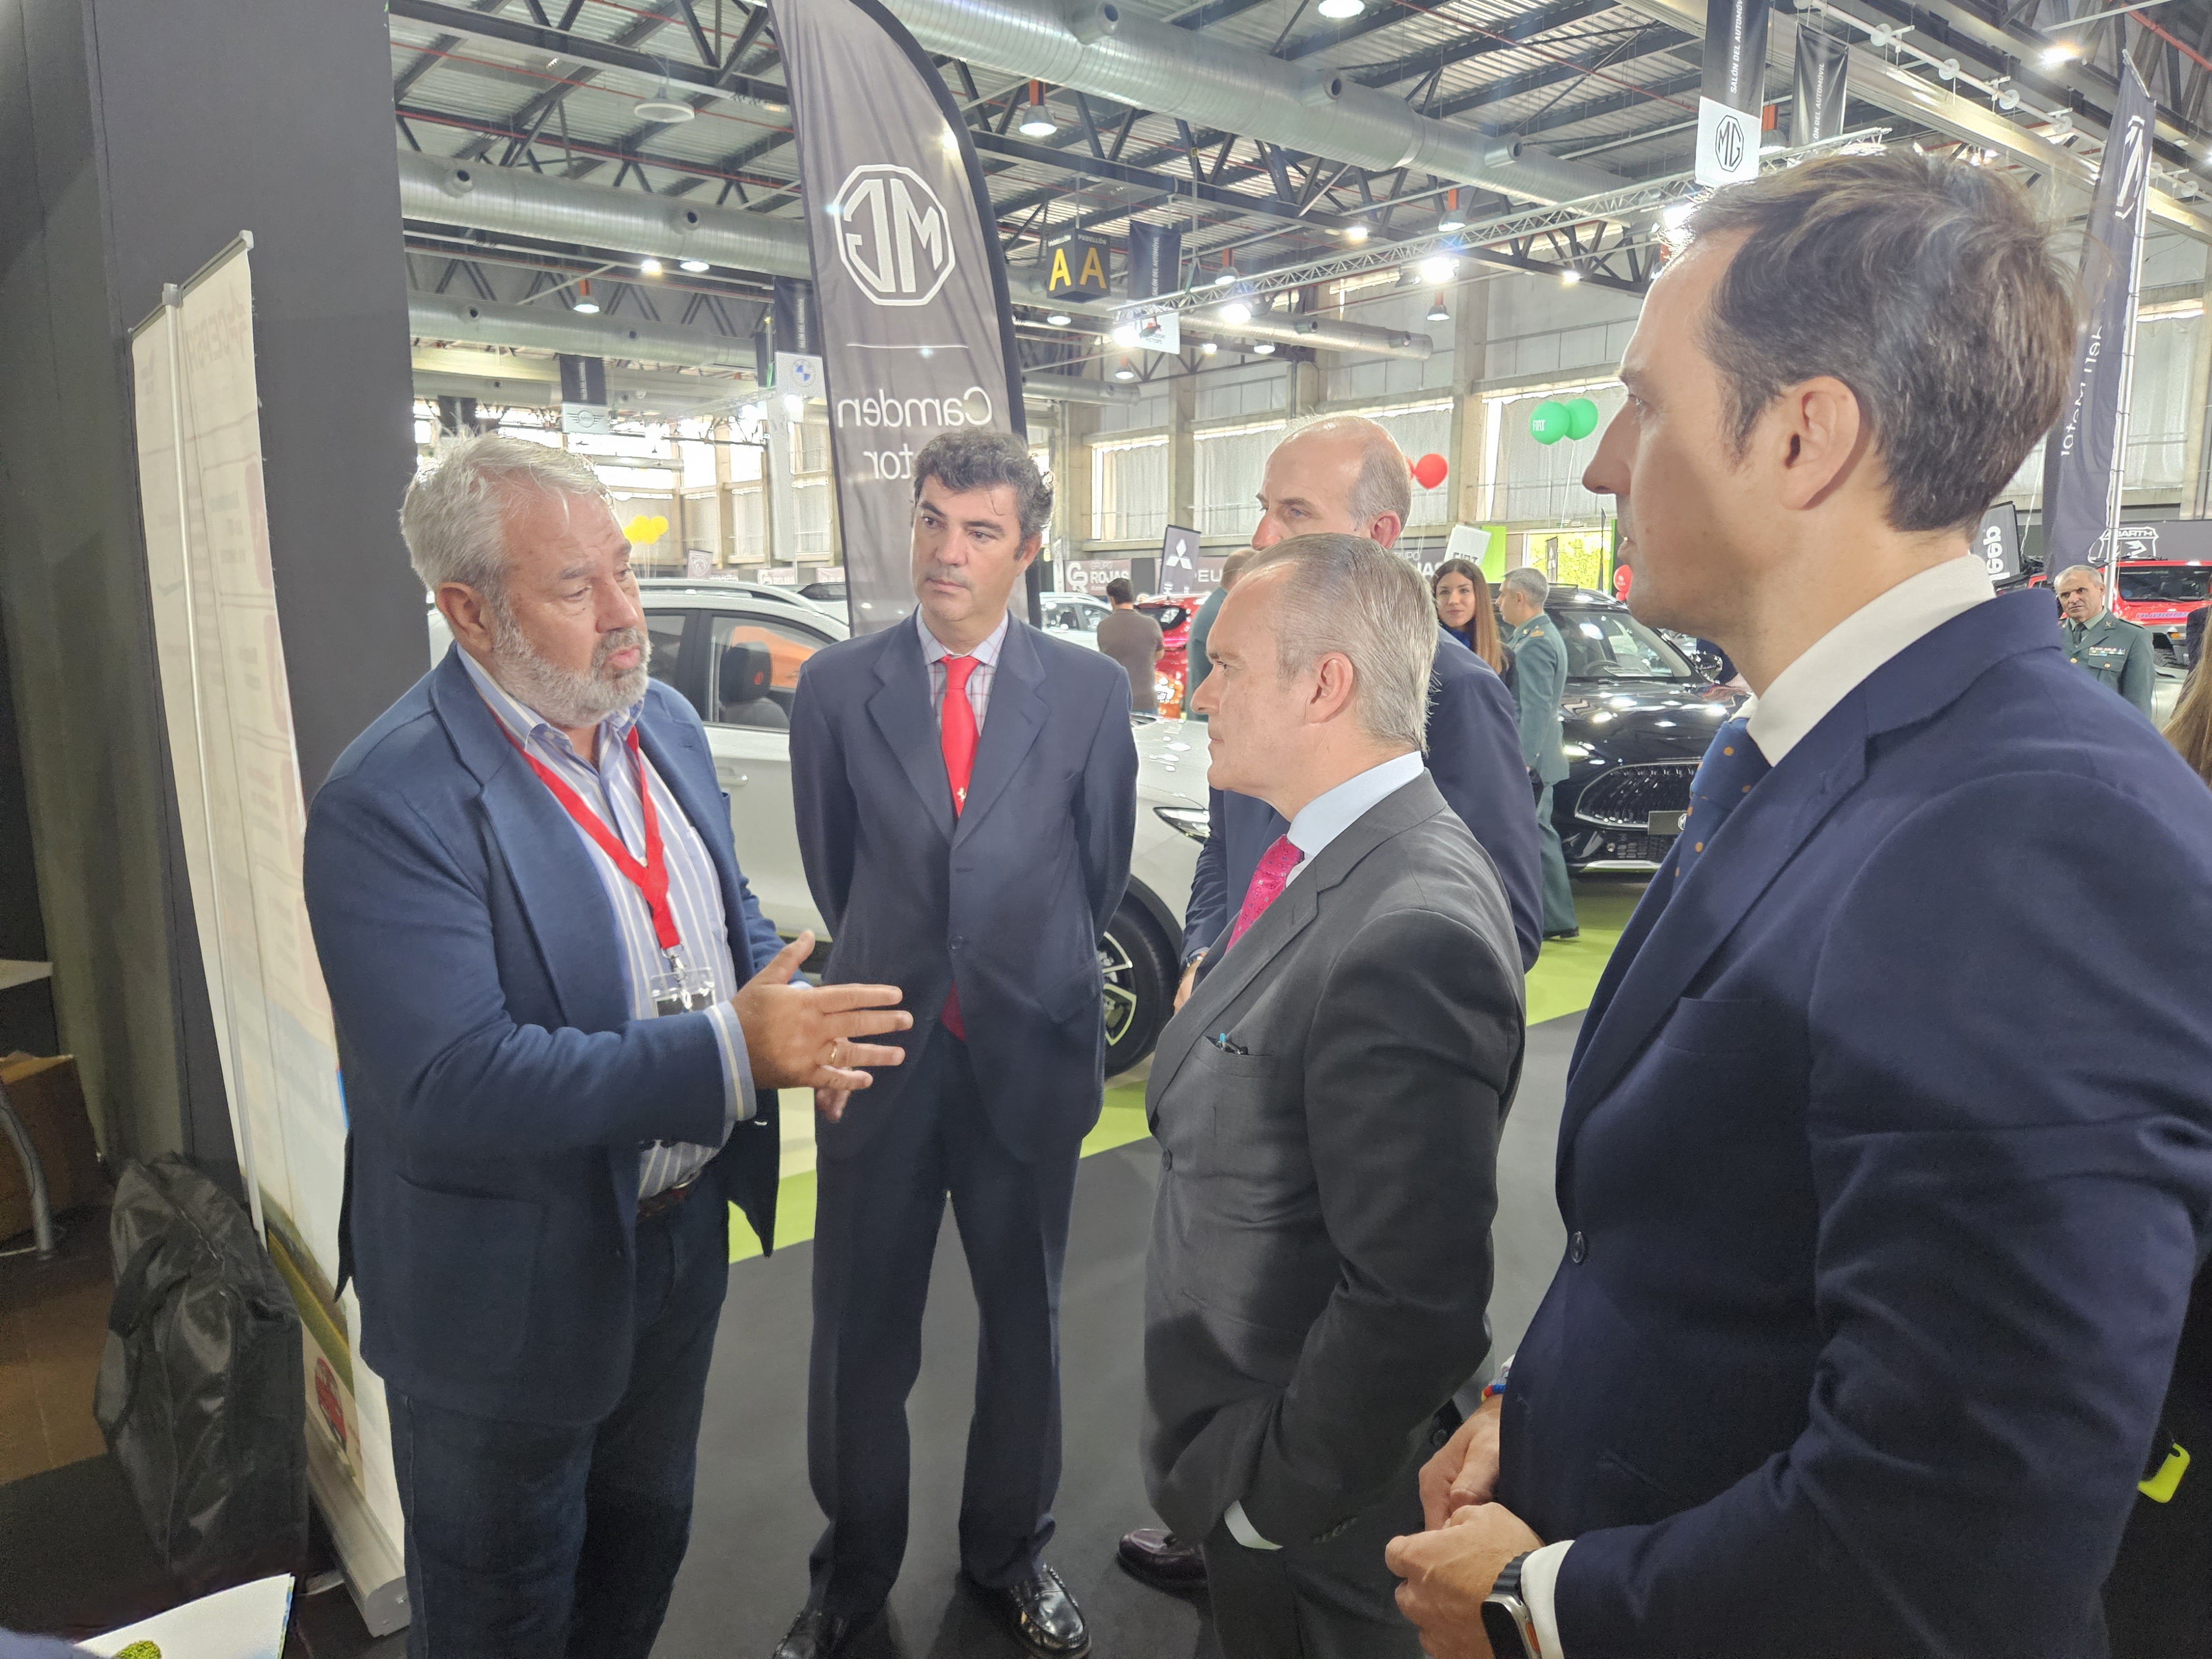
point(1103, 47)
point(549, 328)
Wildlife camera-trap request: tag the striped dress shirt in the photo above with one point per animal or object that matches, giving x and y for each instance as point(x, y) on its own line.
point(694, 894)
point(933, 654)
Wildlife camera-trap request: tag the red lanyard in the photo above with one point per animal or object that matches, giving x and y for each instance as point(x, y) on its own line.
point(650, 877)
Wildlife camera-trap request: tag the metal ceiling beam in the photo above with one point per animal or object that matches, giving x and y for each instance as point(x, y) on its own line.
point(1379, 17)
point(1929, 104)
point(1480, 43)
point(1513, 85)
point(1124, 173)
point(455, 20)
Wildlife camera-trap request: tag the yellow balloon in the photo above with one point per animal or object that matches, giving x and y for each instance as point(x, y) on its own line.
point(660, 526)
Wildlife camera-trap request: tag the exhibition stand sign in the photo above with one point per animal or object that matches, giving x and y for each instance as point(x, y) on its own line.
point(909, 279)
point(2086, 453)
point(220, 645)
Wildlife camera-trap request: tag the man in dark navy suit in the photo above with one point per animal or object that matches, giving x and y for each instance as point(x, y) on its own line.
point(966, 791)
point(1875, 1271)
point(1346, 473)
point(562, 1019)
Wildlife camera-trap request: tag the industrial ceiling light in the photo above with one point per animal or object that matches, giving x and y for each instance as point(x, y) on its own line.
point(1337, 10)
point(1228, 276)
point(695, 266)
point(1037, 120)
point(1438, 268)
point(1947, 70)
point(1264, 347)
point(662, 107)
point(1207, 348)
point(649, 267)
point(586, 305)
point(1125, 373)
point(1452, 219)
point(2008, 99)
point(1057, 319)
point(1237, 312)
point(1355, 233)
point(1436, 312)
point(1125, 336)
point(1570, 276)
point(2062, 52)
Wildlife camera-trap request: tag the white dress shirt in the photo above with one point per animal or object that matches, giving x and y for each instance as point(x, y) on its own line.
point(1799, 698)
point(1319, 821)
point(933, 653)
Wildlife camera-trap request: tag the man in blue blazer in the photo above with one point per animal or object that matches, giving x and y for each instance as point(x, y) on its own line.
point(966, 791)
point(1876, 1270)
point(560, 1017)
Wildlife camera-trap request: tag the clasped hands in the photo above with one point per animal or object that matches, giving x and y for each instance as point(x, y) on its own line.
point(802, 1037)
point(1451, 1567)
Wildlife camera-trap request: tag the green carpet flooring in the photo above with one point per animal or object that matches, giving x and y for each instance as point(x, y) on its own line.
point(1562, 981)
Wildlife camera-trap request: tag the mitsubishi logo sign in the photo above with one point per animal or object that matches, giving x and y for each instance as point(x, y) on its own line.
point(893, 235)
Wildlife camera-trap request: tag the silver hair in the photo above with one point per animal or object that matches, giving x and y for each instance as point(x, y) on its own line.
point(2088, 570)
point(1385, 480)
point(454, 517)
point(1530, 583)
point(1348, 595)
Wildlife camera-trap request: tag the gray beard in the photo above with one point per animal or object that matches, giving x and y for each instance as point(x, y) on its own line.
point(561, 696)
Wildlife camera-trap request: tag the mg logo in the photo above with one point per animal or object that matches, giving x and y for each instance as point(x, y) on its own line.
point(893, 235)
point(1728, 143)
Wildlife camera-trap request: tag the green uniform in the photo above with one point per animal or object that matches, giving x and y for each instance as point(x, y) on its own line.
point(1539, 682)
point(2117, 653)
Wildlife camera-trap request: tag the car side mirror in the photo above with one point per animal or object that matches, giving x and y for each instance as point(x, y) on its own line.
point(747, 673)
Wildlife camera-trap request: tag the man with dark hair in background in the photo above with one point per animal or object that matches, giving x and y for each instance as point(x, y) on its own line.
point(966, 795)
point(1134, 640)
point(1874, 1272)
point(1199, 664)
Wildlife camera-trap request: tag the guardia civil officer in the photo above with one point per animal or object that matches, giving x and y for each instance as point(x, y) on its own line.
point(2110, 647)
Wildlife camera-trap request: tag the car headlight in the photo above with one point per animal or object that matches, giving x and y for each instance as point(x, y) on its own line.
point(1192, 821)
point(1574, 750)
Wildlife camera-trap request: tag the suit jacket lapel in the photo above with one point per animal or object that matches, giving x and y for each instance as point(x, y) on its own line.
point(676, 753)
point(1015, 716)
point(1283, 922)
point(901, 709)
point(554, 878)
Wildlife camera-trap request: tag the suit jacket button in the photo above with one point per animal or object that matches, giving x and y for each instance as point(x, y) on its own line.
point(1577, 1248)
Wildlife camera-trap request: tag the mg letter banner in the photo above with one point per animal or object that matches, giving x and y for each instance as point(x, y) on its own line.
point(910, 281)
point(2084, 455)
point(1734, 86)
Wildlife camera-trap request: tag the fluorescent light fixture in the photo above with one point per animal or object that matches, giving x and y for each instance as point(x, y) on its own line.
point(1125, 334)
point(695, 266)
point(1438, 268)
point(1337, 10)
point(1207, 348)
point(1237, 312)
point(1264, 347)
point(1570, 276)
point(1355, 233)
point(1057, 319)
point(649, 267)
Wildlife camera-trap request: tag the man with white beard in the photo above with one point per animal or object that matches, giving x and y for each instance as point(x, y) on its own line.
point(562, 1019)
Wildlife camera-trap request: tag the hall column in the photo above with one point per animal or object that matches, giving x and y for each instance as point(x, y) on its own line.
point(1470, 446)
point(1182, 449)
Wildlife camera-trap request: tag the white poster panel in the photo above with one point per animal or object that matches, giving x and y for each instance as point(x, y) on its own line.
point(244, 817)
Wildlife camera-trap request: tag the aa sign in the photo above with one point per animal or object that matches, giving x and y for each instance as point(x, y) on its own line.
point(1077, 265)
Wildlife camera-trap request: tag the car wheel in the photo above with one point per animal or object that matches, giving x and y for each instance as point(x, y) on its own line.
point(1132, 959)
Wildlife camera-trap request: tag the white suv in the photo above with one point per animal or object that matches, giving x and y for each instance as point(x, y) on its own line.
point(695, 629)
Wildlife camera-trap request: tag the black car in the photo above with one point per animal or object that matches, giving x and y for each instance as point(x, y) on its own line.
point(1636, 720)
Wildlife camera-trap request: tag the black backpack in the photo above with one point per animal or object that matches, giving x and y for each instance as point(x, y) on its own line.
point(201, 1395)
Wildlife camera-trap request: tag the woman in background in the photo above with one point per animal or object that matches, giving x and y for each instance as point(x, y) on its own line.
point(1463, 601)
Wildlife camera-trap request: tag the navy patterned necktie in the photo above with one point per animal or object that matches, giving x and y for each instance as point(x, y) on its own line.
point(1724, 777)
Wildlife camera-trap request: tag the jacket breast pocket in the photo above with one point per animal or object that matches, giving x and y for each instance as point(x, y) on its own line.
point(472, 1260)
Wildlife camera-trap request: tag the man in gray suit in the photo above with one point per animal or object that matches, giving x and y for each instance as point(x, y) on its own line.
point(1327, 1105)
point(1540, 680)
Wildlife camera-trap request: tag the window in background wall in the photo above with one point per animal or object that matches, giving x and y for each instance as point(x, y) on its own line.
point(813, 538)
point(2157, 415)
point(1230, 460)
point(1544, 482)
point(1422, 428)
point(1128, 489)
point(749, 508)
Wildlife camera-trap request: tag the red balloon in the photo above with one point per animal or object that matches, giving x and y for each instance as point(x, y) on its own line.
point(1430, 470)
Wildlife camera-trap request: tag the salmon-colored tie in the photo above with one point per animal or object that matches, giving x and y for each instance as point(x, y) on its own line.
point(1268, 878)
point(956, 731)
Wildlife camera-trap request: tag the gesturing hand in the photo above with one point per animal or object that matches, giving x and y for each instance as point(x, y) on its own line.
point(1466, 1470)
point(801, 1036)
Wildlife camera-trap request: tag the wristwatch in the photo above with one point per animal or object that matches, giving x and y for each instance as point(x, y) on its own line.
point(1506, 1619)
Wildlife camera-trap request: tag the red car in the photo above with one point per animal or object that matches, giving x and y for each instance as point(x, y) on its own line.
point(1173, 613)
point(2159, 594)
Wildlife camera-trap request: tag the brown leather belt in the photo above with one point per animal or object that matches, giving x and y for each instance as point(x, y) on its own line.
point(665, 1200)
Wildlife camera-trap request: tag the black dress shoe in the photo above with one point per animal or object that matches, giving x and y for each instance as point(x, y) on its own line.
point(1041, 1615)
point(1161, 1560)
point(816, 1634)
point(1566, 933)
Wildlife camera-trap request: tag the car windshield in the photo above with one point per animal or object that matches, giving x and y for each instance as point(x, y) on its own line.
point(1612, 645)
point(2179, 582)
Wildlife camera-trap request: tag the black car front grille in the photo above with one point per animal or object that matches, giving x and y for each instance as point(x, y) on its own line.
point(1625, 798)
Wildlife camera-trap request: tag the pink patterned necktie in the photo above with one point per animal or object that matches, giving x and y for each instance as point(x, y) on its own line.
point(1267, 879)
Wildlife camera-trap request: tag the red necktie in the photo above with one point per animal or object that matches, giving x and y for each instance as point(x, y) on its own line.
point(1268, 877)
point(956, 731)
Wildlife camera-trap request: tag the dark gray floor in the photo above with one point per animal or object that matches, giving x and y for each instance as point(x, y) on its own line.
point(746, 1573)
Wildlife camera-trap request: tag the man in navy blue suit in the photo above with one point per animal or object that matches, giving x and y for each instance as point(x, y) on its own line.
point(1875, 1270)
point(1346, 473)
point(966, 791)
point(560, 1017)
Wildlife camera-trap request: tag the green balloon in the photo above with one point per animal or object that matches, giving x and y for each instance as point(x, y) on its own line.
point(1548, 422)
point(1581, 418)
